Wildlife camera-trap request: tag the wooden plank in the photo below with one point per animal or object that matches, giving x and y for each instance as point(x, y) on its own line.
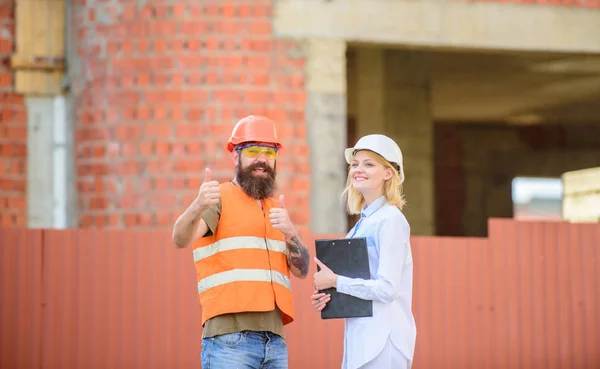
point(584, 208)
point(579, 181)
point(40, 27)
point(40, 46)
point(52, 63)
point(30, 82)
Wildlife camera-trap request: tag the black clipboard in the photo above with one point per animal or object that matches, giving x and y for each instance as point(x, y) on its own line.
point(347, 257)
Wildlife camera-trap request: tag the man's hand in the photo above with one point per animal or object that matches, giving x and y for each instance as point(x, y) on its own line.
point(190, 226)
point(280, 219)
point(325, 278)
point(298, 257)
point(209, 193)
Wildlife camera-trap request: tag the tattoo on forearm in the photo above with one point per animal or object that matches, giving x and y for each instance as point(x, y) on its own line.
point(298, 255)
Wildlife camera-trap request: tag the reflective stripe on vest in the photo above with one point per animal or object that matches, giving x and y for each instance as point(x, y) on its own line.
point(238, 243)
point(246, 275)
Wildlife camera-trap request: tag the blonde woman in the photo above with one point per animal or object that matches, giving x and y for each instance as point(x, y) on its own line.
point(374, 190)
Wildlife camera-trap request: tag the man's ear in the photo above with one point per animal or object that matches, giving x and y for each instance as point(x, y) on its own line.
point(234, 157)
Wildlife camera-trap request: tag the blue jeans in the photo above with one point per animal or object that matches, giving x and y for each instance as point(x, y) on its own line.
point(245, 350)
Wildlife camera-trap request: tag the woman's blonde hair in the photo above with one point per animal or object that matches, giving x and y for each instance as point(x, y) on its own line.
point(392, 188)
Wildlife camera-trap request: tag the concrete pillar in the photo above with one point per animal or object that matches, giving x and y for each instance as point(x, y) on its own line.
point(408, 120)
point(50, 164)
point(370, 78)
point(326, 122)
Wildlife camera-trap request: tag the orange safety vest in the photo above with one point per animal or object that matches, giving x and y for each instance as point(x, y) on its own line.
point(243, 266)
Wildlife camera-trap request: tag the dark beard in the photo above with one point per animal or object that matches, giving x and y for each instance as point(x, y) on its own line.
point(257, 187)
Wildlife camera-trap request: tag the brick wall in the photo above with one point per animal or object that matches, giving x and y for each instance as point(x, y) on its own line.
point(13, 130)
point(159, 86)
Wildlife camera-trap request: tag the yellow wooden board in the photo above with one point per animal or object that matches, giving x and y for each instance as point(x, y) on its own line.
point(40, 46)
point(41, 83)
point(581, 195)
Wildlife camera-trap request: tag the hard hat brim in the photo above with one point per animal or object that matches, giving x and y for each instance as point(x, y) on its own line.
point(238, 141)
point(349, 153)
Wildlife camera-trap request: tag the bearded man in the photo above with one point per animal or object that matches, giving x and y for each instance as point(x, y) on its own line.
point(245, 248)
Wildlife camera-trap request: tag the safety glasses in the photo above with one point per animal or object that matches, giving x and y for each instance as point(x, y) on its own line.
point(253, 151)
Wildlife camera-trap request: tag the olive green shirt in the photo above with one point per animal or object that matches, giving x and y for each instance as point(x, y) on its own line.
point(270, 321)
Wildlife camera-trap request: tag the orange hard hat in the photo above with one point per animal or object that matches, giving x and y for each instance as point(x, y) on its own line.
point(254, 128)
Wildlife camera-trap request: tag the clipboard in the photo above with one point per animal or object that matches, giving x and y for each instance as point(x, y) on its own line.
point(347, 257)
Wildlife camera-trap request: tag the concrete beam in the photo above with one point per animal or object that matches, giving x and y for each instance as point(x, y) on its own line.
point(50, 163)
point(442, 24)
point(326, 122)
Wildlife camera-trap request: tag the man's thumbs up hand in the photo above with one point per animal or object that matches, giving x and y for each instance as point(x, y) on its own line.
point(280, 219)
point(209, 193)
point(281, 204)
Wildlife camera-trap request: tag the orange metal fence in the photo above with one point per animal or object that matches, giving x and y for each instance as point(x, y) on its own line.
point(526, 297)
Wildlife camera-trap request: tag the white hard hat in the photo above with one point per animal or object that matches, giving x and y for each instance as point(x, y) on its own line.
point(382, 145)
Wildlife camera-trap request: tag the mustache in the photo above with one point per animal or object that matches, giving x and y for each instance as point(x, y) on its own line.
point(260, 165)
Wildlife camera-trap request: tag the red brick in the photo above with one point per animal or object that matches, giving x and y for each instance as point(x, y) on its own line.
point(158, 130)
point(195, 11)
point(165, 219)
point(162, 201)
point(178, 80)
point(191, 61)
point(98, 203)
point(146, 12)
point(6, 79)
point(143, 45)
point(160, 166)
point(162, 148)
point(179, 148)
point(187, 200)
point(129, 132)
point(212, 43)
point(160, 45)
point(161, 184)
point(160, 112)
point(194, 183)
point(129, 12)
point(189, 131)
point(260, 27)
point(178, 183)
point(6, 46)
point(143, 79)
point(114, 220)
point(177, 114)
point(194, 148)
point(7, 220)
point(194, 114)
point(6, 11)
point(16, 203)
point(127, 168)
point(129, 114)
point(228, 10)
point(130, 220)
point(194, 45)
point(143, 114)
point(146, 148)
point(131, 201)
point(93, 134)
point(194, 27)
point(189, 165)
point(146, 219)
point(179, 10)
point(212, 10)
